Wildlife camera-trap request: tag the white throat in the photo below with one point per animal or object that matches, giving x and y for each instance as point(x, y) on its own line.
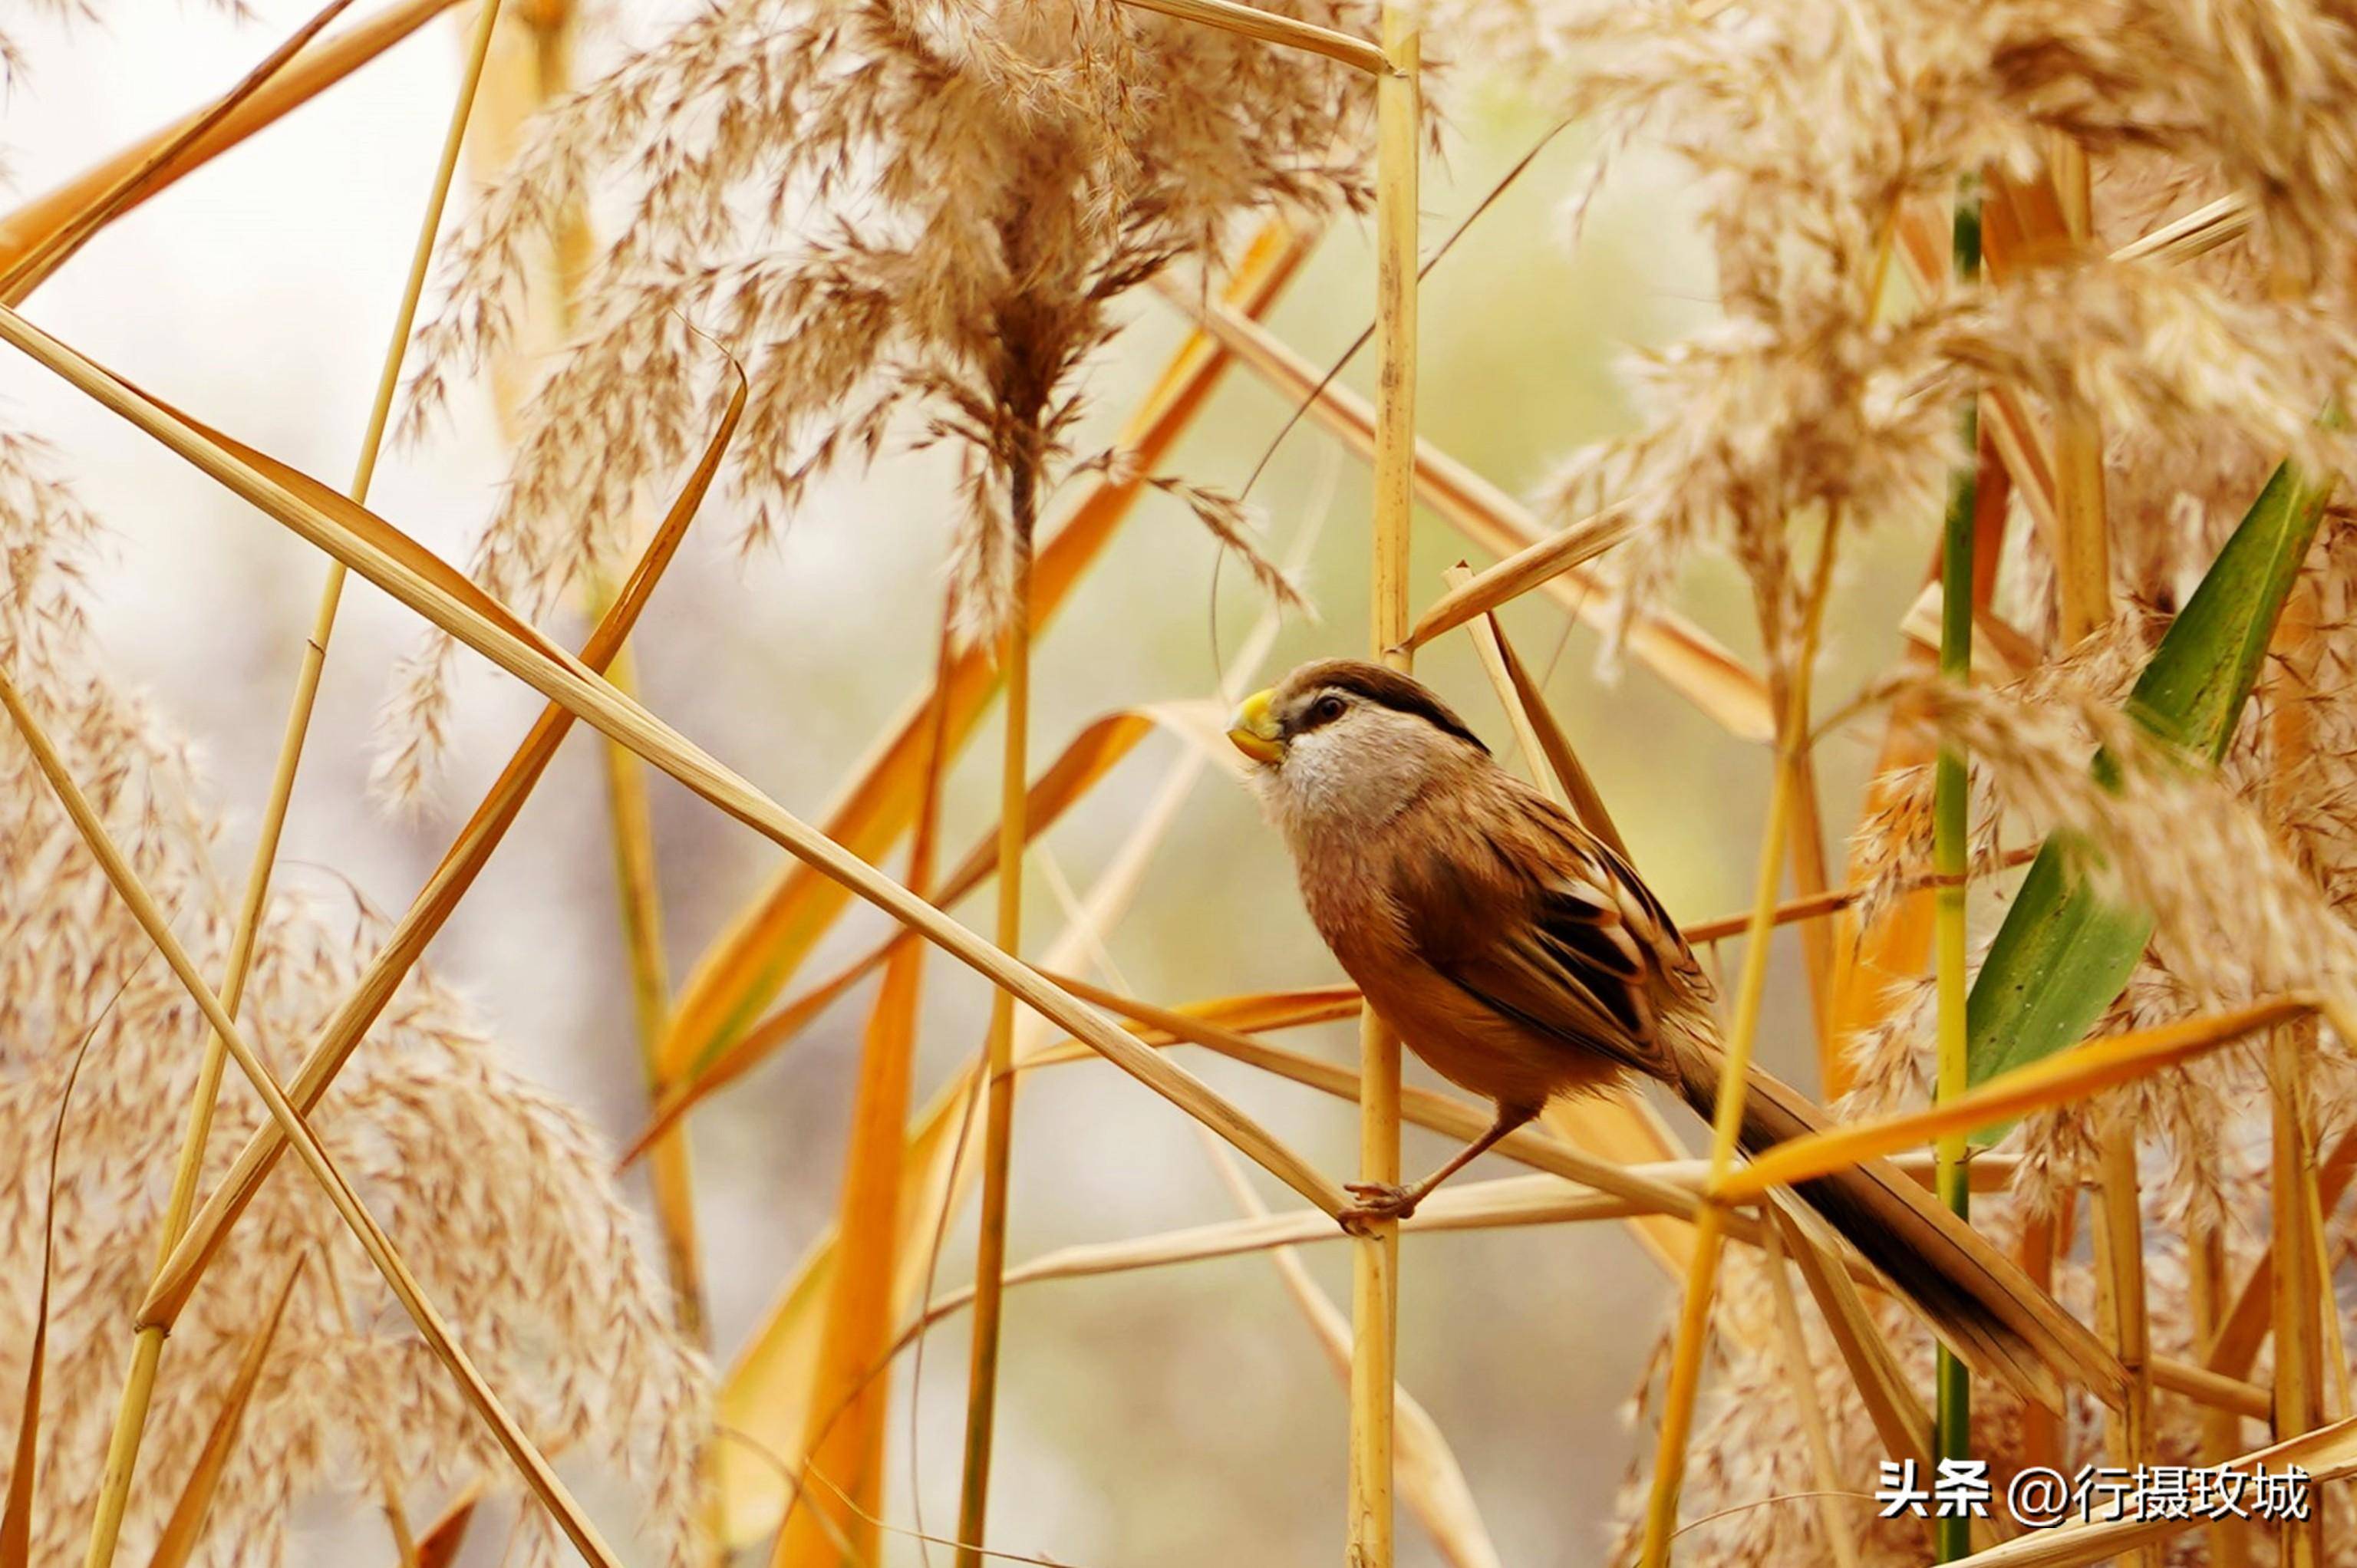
point(1346, 781)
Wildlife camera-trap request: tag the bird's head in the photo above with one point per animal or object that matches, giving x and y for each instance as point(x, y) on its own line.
point(1342, 741)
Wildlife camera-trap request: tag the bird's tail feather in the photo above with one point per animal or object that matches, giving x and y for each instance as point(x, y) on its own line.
point(1979, 1303)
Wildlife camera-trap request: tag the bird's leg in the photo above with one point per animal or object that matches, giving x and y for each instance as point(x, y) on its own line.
point(1381, 1200)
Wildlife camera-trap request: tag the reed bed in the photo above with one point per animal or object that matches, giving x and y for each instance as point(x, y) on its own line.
point(2056, 298)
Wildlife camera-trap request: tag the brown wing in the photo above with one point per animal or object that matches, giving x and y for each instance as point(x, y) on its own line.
point(1521, 908)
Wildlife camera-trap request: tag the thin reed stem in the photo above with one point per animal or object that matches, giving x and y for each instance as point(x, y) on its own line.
point(2302, 1278)
point(998, 1109)
point(1374, 1266)
point(2206, 1280)
point(1951, 863)
point(638, 894)
point(1800, 1371)
point(139, 1386)
point(1751, 985)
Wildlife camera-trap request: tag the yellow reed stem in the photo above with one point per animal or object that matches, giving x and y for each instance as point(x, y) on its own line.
point(1751, 984)
point(998, 1110)
point(2301, 1276)
point(2119, 1280)
point(2205, 1254)
point(1801, 1373)
point(148, 1350)
point(1374, 1267)
point(639, 895)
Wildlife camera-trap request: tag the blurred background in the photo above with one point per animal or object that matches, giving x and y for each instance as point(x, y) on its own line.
point(1171, 1417)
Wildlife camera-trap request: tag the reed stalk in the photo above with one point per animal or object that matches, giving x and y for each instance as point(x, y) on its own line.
point(1374, 1262)
point(1950, 854)
point(147, 1346)
point(2205, 1268)
point(1751, 985)
point(2302, 1281)
point(1800, 1371)
point(638, 893)
point(998, 1057)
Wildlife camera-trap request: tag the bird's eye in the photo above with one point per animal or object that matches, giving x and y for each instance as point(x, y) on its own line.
point(1327, 709)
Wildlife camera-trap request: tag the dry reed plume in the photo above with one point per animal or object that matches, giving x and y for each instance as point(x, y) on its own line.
point(918, 220)
point(498, 1192)
point(2115, 231)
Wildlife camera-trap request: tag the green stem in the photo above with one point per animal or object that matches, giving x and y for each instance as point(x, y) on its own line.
point(1950, 809)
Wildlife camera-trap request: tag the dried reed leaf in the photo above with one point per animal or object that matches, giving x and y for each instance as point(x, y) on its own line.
point(755, 959)
point(1426, 1108)
point(2063, 1079)
point(16, 1507)
point(366, 544)
point(767, 1393)
point(435, 903)
point(768, 1390)
point(1526, 569)
point(186, 1524)
point(843, 1440)
point(446, 1537)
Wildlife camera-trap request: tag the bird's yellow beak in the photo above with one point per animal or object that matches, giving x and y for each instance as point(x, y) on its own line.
point(1254, 730)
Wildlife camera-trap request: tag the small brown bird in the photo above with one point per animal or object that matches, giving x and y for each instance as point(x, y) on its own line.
point(1523, 958)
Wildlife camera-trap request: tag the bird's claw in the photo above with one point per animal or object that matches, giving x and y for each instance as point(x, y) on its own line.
point(1378, 1201)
